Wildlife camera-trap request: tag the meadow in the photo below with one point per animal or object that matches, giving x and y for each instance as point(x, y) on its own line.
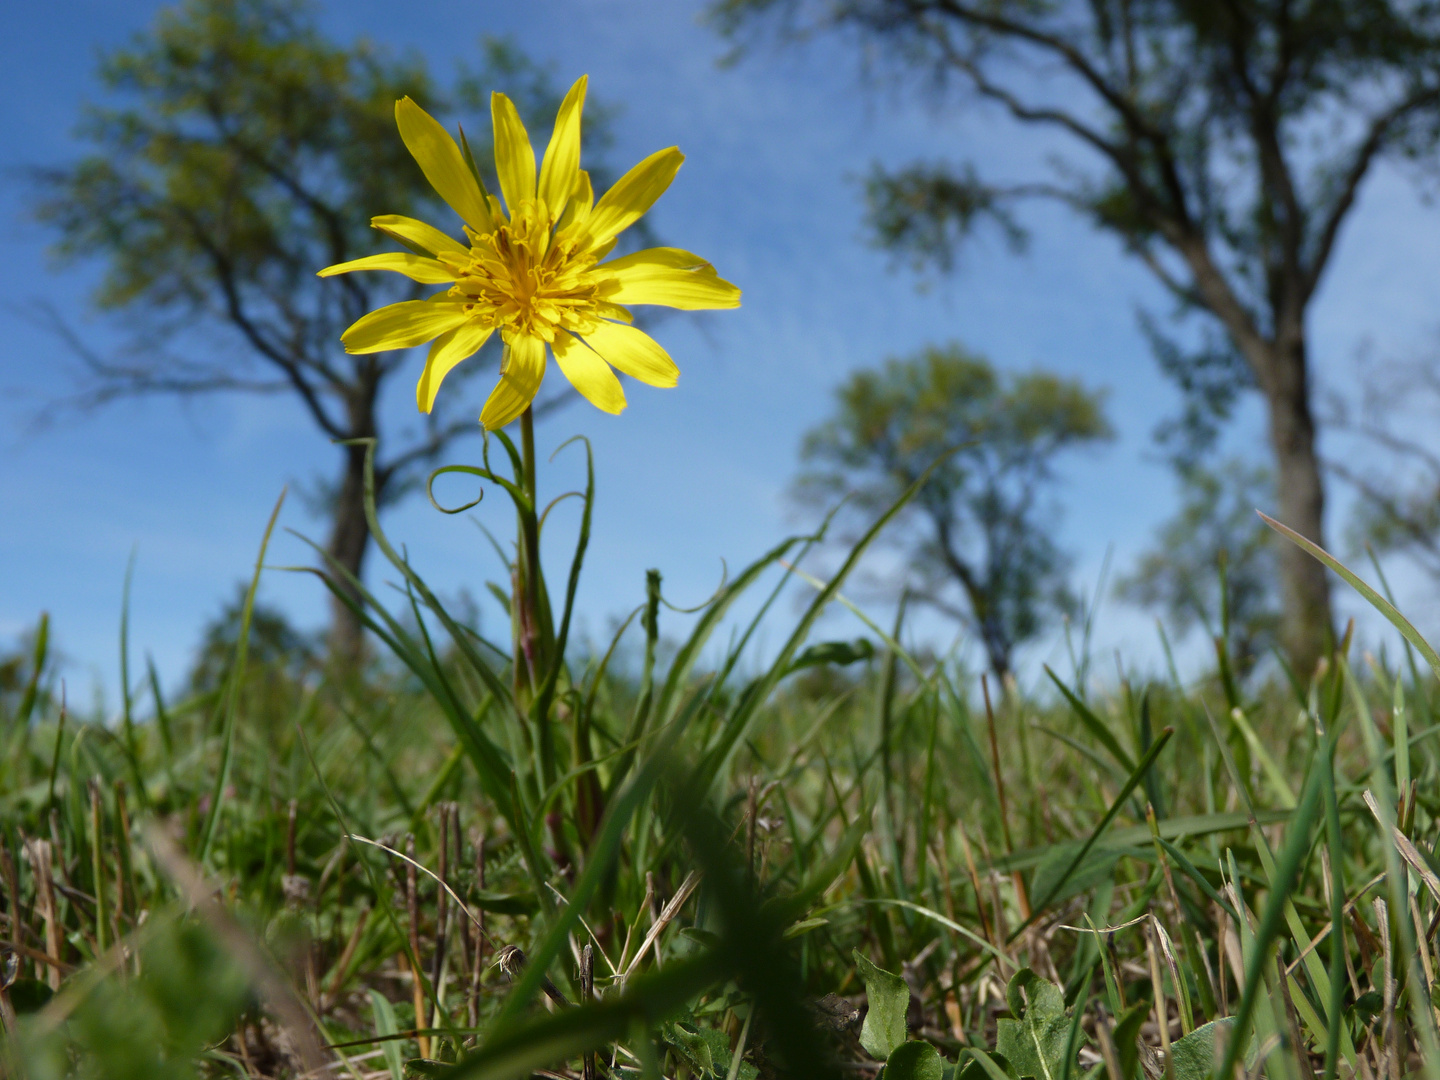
point(851, 859)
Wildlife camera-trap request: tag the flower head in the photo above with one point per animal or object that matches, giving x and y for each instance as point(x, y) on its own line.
point(531, 269)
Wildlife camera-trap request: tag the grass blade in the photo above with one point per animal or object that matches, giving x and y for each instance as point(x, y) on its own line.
point(1378, 602)
point(232, 694)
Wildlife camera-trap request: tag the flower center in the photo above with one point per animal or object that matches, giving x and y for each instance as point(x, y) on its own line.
point(524, 280)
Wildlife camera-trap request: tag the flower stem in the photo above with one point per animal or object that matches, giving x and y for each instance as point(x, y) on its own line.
point(527, 572)
point(531, 662)
point(527, 452)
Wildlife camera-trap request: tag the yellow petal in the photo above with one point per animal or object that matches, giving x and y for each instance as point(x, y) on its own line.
point(559, 172)
point(514, 157)
point(584, 197)
point(670, 277)
point(588, 373)
point(634, 352)
point(520, 375)
point(415, 267)
point(633, 194)
point(402, 325)
point(581, 201)
point(448, 350)
point(416, 234)
point(606, 310)
point(442, 163)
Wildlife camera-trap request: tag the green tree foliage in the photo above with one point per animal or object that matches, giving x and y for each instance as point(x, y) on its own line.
point(237, 152)
point(1223, 142)
point(1213, 563)
point(981, 525)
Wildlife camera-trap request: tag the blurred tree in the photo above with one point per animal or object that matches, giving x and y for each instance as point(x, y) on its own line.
point(978, 528)
point(276, 647)
point(26, 674)
point(243, 152)
point(1213, 563)
point(1223, 142)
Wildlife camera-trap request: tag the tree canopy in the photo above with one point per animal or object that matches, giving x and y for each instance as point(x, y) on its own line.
point(1213, 565)
point(236, 152)
point(979, 536)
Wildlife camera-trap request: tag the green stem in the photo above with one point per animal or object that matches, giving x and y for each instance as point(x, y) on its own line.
point(527, 451)
point(530, 660)
point(526, 580)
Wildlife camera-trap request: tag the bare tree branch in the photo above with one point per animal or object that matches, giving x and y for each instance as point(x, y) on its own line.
point(1378, 133)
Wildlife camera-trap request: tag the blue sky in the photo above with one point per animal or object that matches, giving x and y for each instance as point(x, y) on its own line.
point(688, 477)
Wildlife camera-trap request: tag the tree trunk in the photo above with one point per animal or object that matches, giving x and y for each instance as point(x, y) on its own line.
point(1306, 626)
point(1280, 367)
point(349, 541)
point(997, 647)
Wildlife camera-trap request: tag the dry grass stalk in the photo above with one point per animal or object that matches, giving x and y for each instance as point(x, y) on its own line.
point(41, 866)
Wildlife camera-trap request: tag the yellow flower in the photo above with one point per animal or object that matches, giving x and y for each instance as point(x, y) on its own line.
point(532, 270)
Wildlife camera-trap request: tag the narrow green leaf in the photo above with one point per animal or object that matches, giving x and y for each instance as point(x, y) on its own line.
point(1378, 602)
point(1287, 869)
point(519, 1049)
point(232, 694)
point(1093, 723)
point(1135, 778)
point(737, 724)
point(1127, 1038)
point(385, 1024)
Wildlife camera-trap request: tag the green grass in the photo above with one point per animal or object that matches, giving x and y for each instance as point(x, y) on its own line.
point(1075, 883)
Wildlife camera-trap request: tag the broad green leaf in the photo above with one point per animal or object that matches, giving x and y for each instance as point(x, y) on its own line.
point(690, 1045)
point(1194, 1057)
point(1035, 1041)
point(719, 1044)
point(914, 1061)
point(889, 1000)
